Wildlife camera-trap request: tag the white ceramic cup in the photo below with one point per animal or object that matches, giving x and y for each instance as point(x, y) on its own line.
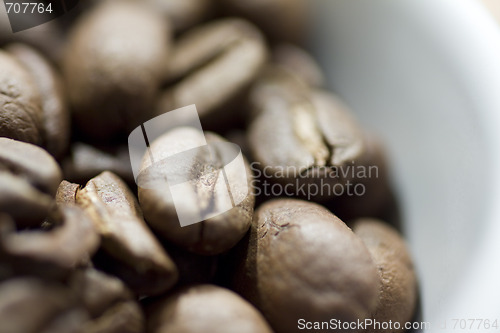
point(425, 75)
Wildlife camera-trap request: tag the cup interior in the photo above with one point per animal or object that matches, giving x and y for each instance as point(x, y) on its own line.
point(414, 74)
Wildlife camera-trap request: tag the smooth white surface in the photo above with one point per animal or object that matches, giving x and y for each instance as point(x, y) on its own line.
point(425, 75)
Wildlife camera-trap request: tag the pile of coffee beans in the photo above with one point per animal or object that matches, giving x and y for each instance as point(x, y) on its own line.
point(313, 244)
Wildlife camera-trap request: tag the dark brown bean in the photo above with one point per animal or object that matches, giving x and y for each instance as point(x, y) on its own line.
point(183, 14)
point(398, 293)
point(298, 62)
point(125, 317)
point(136, 256)
point(308, 142)
point(114, 61)
point(98, 291)
point(34, 164)
point(68, 321)
point(53, 253)
point(86, 161)
point(213, 235)
point(278, 85)
point(44, 302)
point(20, 102)
point(281, 20)
point(28, 181)
point(55, 117)
point(66, 193)
point(217, 310)
point(302, 262)
point(27, 205)
point(206, 62)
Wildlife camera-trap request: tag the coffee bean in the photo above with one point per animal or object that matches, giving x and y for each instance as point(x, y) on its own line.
point(66, 193)
point(28, 180)
point(204, 172)
point(86, 161)
point(53, 253)
point(31, 163)
point(302, 262)
point(27, 205)
point(216, 310)
point(398, 293)
point(55, 116)
point(68, 321)
point(378, 198)
point(28, 305)
point(113, 65)
point(313, 147)
point(20, 102)
point(206, 63)
point(281, 20)
point(298, 62)
point(183, 14)
point(98, 291)
point(134, 253)
point(108, 301)
point(306, 135)
point(125, 317)
point(277, 85)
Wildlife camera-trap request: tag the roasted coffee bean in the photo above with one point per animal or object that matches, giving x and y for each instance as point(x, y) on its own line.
point(50, 253)
point(68, 321)
point(66, 193)
point(98, 291)
point(183, 14)
point(207, 175)
point(302, 262)
point(108, 301)
point(277, 85)
point(305, 135)
point(29, 177)
point(298, 62)
point(18, 198)
point(375, 197)
point(398, 294)
point(86, 161)
point(114, 61)
point(125, 317)
point(207, 62)
point(55, 116)
point(31, 163)
point(281, 20)
point(21, 114)
point(315, 149)
point(207, 309)
point(28, 305)
point(132, 252)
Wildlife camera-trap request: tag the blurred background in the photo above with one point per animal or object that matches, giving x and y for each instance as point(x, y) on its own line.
point(425, 75)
